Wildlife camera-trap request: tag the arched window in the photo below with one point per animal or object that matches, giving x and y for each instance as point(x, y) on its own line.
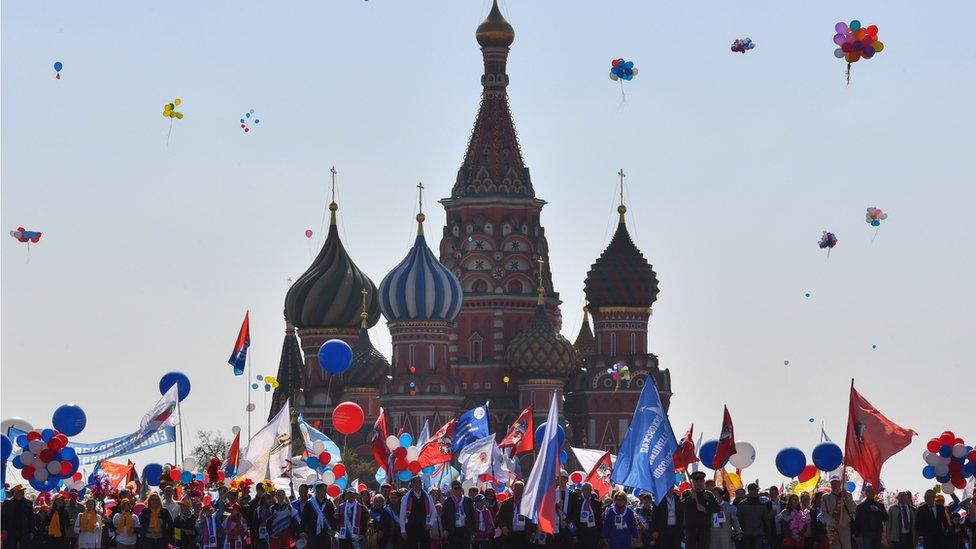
point(475, 348)
point(479, 287)
point(613, 343)
point(515, 287)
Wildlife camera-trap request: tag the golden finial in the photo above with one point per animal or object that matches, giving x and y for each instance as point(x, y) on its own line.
point(621, 209)
point(332, 205)
point(586, 314)
point(495, 31)
point(363, 317)
point(420, 208)
point(541, 289)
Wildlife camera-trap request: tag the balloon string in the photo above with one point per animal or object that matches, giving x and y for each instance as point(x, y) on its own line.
point(623, 96)
point(169, 132)
point(876, 229)
point(848, 74)
point(828, 253)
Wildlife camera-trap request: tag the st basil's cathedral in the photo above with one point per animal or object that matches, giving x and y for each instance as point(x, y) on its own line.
point(478, 319)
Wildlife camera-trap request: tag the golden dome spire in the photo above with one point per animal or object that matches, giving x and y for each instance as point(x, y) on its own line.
point(495, 31)
point(541, 290)
point(364, 316)
point(420, 210)
point(621, 209)
point(332, 205)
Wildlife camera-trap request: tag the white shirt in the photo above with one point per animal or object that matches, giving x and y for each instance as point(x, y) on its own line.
point(122, 537)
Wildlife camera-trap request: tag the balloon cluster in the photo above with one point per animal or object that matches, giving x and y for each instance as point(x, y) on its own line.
point(827, 240)
point(23, 235)
point(792, 462)
point(856, 42)
point(875, 216)
point(246, 120)
point(622, 70)
point(742, 45)
point(949, 461)
point(57, 69)
point(169, 109)
point(619, 372)
point(333, 476)
point(405, 454)
point(46, 459)
point(270, 383)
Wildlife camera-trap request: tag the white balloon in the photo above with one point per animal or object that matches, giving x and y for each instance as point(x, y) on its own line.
point(40, 474)
point(36, 446)
point(328, 477)
point(635, 72)
point(412, 453)
point(744, 456)
point(948, 488)
point(318, 447)
point(17, 422)
point(311, 479)
point(54, 467)
point(27, 457)
point(189, 463)
point(613, 77)
point(959, 450)
point(392, 442)
point(235, 429)
point(250, 407)
point(931, 458)
point(941, 469)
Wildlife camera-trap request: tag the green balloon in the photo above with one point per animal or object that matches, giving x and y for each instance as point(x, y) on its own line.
point(855, 24)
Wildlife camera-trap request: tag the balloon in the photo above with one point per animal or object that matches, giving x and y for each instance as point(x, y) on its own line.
point(6, 447)
point(577, 477)
point(308, 233)
point(175, 378)
point(335, 356)
point(406, 440)
point(341, 482)
point(58, 66)
point(16, 422)
point(53, 467)
point(348, 418)
point(333, 491)
point(841, 28)
point(945, 450)
point(808, 473)
point(328, 477)
point(325, 458)
point(959, 450)
point(790, 462)
point(827, 240)
point(47, 434)
point(563, 457)
point(312, 462)
point(414, 467)
point(706, 453)
point(404, 476)
point(827, 456)
point(69, 419)
point(68, 453)
point(174, 474)
point(744, 456)
point(540, 431)
point(392, 442)
point(339, 470)
point(413, 453)
point(186, 477)
point(152, 473)
point(400, 452)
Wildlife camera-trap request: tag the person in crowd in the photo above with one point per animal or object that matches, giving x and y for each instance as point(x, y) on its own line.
point(869, 519)
point(382, 531)
point(931, 523)
point(351, 520)
point(235, 529)
point(303, 497)
point(56, 524)
point(416, 515)
point(900, 526)
point(668, 522)
point(751, 512)
point(126, 525)
point(589, 529)
point(514, 527)
point(185, 526)
point(484, 523)
point(645, 519)
point(817, 533)
point(794, 523)
point(457, 518)
point(740, 494)
point(17, 519)
point(73, 508)
point(698, 507)
point(567, 510)
point(172, 506)
point(88, 526)
point(838, 511)
point(725, 523)
point(317, 519)
point(157, 524)
point(282, 523)
point(619, 523)
point(774, 508)
point(208, 527)
point(261, 514)
point(491, 501)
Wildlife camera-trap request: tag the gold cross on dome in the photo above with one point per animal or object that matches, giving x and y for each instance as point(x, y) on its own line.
point(622, 176)
point(420, 198)
point(333, 172)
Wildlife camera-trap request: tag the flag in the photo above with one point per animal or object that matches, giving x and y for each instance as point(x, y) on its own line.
point(685, 455)
point(823, 434)
point(233, 459)
point(539, 499)
point(424, 435)
point(269, 450)
point(95, 472)
point(808, 485)
point(378, 441)
point(440, 448)
point(164, 413)
point(311, 435)
point(588, 458)
point(521, 435)
point(871, 438)
point(118, 474)
point(726, 442)
point(238, 356)
point(478, 458)
point(646, 458)
point(599, 476)
point(730, 481)
point(471, 426)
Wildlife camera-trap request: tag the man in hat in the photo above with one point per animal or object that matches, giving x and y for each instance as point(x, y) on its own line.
point(416, 516)
point(838, 512)
point(317, 519)
point(17, 519)
point(698, 507)
point(457, 517)
point(351, 520)
point(567, 510)
point(590, 526)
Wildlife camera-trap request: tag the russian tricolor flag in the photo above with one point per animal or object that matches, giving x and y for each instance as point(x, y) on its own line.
point(238, 357)
point(539, 500)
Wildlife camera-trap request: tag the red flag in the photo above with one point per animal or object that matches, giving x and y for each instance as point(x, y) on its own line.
point(238, 356)
point(516, 437)
point(117, 473)
point(726, 442)
point(599, 476)
point(233, 459)
point(685, 454)
point(871, 438)
point(438, 449)
point(378, 441)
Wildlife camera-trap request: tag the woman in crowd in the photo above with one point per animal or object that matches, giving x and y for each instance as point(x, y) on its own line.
point(382, 532)
point(126, 526)
point(725, 523)
point(645, 519)
point(619, 523)
point(185, 526)
point(794, 523)
point(260, 533)
point(157, 524)
point(88, 526)
point(283, 523)
point(235, 528)
point(56, 524)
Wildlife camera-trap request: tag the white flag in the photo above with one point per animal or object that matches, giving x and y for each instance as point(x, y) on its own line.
point(478, 457)
point(269, 450)
point(165, 413)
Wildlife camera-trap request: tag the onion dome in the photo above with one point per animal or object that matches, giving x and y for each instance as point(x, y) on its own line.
point(368, 365)
point(539, 350)
point(621, 277)
point(327, 295)
point(290, 377)
point(495, 31)
point(420, 288)
point(585, 344)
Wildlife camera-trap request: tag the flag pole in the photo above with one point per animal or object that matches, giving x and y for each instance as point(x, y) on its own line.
point(179, 412)
point(247, 389)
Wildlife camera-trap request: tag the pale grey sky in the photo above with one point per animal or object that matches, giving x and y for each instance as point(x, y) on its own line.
point(736, 163)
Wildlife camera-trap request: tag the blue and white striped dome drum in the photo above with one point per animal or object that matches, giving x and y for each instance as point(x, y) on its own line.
point(420, 288)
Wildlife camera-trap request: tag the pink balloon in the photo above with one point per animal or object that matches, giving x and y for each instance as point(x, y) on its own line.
point(841, 28)
point(839, 39)
point(308, 233)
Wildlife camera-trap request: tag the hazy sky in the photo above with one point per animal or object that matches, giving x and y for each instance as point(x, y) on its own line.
point(736, 163)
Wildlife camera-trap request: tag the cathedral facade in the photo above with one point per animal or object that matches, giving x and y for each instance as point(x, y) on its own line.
point(477, 318)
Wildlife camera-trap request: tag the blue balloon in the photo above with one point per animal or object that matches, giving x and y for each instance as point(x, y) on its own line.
point(186, 477)
point(945, 450)
point(827, 456)
point(404, 476)
point(6, 447)
point(406, 440)
point(851, 486)
point(540, 431)
point(928, 471)
point(22, 441)
point(267, 388)
point(429, 470)
point(151, 473)
point(312, 462)
point(171, 378)
point(198, 476)
point(969, 469)
point(70, 419)
point(790, 462)
point(17, 463)
point(52, 483)
point(47, 434)
point(58, 66)
point(707, 453)
point(259, 376)
point(335, 356)
point(254, 385)
point(943, 479)
point(341, 482)
point(563, 457)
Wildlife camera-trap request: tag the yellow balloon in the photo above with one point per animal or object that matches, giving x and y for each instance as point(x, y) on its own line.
point(878, 46)
point(506, 379)
point(179, 115)
point(165, 114)
point(177, 101)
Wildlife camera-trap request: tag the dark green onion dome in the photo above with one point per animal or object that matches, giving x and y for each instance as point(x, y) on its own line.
point(621, 277)
point(539, 351)
point(585, 344)
point(290, 369)
point(368, 365)
point(328, 294)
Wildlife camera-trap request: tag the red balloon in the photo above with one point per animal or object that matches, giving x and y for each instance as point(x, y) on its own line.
point(62, 438)
point(684, 486)
point(958, 441)
point(54, 445)
point(413, 369)
point(955, 468)
point(221, 476)
point(339, 470)
point(972, 455)
point(400, 464)
point(46, 455)
point(333, 491)
point(959, 482)
point(501, 496)
point(414, 467)
point(207, 500)
point(362, 487)
point(933, 446)
point(76, 477)
point(615, 62)
point(325, 458)
point(348, 418)
point(576, 477)
point(27, 472)
point(400, 452)
point(174, 474)
point(808, 473)
point(66, 468)
point(33, 435)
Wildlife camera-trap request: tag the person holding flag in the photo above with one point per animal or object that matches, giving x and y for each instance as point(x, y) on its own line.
point(698, 507)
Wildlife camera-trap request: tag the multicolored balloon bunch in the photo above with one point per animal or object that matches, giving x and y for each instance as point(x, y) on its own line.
point(950, 461)
point(405, 455)
point(270, 382)
point(46, 459)
point(23, 235)
point(333, 476)
point(827, 240)
point(855, 43)
point(742, 45)
point(169, 109)
point(875, 216)
point(619, 372)
point(622, 70)
point(246, 121)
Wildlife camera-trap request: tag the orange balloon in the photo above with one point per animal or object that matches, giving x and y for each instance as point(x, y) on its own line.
point(859, 34)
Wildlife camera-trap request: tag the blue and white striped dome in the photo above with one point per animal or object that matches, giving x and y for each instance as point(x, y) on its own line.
point(420, 288)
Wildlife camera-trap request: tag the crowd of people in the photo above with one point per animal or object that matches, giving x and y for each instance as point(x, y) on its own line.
point(703, 517)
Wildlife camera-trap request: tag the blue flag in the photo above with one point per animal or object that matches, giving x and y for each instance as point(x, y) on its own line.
point(471, 426)
point(646, 458)
point(311, 435)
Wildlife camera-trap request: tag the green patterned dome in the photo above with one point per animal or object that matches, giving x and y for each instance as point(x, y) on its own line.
point(368, 365)
point(539, 351)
